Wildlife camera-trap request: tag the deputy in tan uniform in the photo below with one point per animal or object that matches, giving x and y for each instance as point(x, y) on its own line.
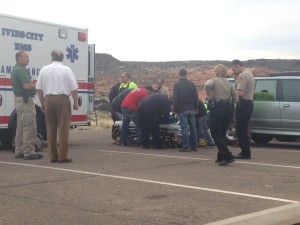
point(245, 90)
point(221, 96)
point(161, 88)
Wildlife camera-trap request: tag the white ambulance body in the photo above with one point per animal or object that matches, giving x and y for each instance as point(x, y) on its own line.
point(39, 39)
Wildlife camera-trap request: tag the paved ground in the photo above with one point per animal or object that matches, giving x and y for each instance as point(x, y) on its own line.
point(109, 184)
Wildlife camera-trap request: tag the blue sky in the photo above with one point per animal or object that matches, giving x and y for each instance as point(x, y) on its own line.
point(169, 30)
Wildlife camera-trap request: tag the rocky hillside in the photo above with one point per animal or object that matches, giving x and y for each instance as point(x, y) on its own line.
point(109, 69)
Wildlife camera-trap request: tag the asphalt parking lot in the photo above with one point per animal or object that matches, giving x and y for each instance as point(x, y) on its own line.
point(109, 184)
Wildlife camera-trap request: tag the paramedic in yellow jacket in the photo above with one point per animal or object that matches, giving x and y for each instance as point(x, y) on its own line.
point(126, 82)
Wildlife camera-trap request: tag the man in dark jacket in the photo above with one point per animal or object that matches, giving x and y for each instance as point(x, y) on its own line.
point(185, 100)
point(116, 104)
point(153, 110)
point(114, 91)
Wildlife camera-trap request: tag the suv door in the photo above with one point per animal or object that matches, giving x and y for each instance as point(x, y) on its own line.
point(266, 111)
point(290, 105)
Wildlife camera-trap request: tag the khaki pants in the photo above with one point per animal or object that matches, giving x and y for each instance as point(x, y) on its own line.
point(58, 118)
point(26, 127)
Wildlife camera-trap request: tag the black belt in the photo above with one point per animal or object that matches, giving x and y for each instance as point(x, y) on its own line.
point(246, 100)
point(222, 100)
point(18, 95)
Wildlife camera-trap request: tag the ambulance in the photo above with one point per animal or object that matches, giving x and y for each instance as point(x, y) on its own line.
point(39, 39)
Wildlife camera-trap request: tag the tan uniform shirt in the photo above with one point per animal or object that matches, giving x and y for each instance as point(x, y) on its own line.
point(220, 89)
point(246, 83)
point(164, 90)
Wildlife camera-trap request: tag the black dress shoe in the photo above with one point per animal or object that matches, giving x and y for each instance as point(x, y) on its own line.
point(185, 149)
point(225, 162)
point(33, 157)
point(241, 156)
point(19, 156)
point(217, 160)
point(65, 161)
point(194, 148)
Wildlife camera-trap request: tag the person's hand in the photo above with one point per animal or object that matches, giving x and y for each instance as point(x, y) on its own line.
point(75, 106)
point(43, 108)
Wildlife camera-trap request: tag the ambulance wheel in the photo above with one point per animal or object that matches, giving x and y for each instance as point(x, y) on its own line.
point(5, 139)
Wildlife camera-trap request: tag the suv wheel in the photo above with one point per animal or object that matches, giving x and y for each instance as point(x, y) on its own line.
point(231, 137)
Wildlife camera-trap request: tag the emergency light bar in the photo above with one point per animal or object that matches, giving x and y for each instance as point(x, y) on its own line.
point(81, 36)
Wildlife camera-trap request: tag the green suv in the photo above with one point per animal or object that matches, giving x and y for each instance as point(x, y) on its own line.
point(276, 112)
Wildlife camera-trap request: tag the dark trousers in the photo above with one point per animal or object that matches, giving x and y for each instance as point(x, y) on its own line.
point(220, 116)
point(149, 125)
point(129, 115)
point(242, 115)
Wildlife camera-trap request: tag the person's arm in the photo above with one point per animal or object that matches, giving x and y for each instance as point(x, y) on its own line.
point(208, 86)
point(28, 86)
point(75, 98)
point(240, 92)
point(196, 99)
point(175, 98)
point(234, 95)
point(132, 85)
point(73, 86)
point(40, 94)
point(241, 86)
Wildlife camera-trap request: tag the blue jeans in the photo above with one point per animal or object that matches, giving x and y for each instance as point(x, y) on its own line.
point(202, 132)
point(188, 128)
point(128, 115)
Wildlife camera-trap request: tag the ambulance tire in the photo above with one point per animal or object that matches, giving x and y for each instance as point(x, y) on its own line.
point(5, 139)
point(7, 136)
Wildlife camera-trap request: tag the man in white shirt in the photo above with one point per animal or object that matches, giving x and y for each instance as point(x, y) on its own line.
point(55, 84)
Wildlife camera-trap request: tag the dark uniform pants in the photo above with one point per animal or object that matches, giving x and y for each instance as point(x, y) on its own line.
point(220, 117)
point(58, 118)
point(242, 115)
point(149, 125)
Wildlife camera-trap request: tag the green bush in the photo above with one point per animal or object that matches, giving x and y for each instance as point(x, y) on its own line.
point(263, 96)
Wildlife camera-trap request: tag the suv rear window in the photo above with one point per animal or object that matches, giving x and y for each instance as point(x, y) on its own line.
point(265, 90)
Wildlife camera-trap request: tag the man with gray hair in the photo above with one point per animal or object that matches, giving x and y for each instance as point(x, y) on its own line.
point(55, 84)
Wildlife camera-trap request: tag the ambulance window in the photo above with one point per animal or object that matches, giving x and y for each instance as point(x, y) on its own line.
point(63, 33)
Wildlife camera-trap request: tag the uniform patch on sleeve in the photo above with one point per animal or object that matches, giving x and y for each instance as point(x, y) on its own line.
point(239, 79)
